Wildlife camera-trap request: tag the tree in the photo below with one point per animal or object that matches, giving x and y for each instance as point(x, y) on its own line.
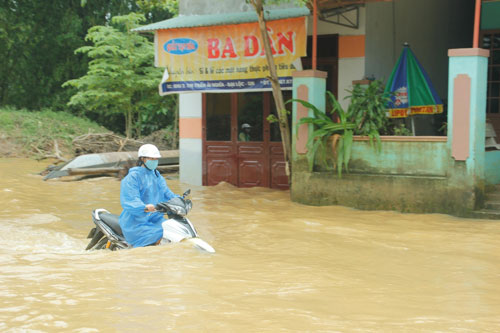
point(120, 78)
point(36, 56)
point(155, 10)
point(38, 39)
point(258, 5)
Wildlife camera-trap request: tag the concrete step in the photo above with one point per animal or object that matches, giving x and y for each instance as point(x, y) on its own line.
point(487, 214)
point(493, 196)
point(494, 205)
point(491, 210)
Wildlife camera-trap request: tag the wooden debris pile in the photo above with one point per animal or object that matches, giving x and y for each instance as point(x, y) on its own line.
point(94, 143)
point(102, 143)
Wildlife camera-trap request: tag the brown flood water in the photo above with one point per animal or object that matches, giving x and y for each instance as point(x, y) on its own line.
point(279, 267)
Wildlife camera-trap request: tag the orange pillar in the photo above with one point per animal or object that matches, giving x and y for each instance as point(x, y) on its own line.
point(315, 34)
point(477, 20)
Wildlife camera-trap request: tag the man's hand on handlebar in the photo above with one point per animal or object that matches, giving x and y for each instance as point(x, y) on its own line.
point(150, 208)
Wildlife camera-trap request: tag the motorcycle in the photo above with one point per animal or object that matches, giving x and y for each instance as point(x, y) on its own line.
point(107, 233)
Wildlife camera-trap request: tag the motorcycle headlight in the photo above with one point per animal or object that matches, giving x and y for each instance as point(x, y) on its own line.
point(179, 210)
point(177, 206)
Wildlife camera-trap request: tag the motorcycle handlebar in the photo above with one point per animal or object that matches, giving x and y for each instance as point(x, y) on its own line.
point(163, 207)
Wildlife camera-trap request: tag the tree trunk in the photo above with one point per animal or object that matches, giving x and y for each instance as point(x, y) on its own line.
point(138, 125)
point(176, 120)
point(128, 123)
point(277, 94)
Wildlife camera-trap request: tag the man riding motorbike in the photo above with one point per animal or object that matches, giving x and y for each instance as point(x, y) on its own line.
point(141, 190)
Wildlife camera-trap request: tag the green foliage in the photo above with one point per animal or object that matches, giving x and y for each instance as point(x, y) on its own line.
point(324, 130)
point(121, 77)
point(35, 131)
point(443, 129)
point(38, 39)
point(367, 109)
point(153, 8)
point(401, 130)
point(272, 119)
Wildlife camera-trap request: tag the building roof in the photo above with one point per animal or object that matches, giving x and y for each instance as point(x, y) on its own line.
point(330, 4)
point(191, 21)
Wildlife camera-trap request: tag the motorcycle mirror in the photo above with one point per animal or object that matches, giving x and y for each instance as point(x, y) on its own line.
point(186, 193)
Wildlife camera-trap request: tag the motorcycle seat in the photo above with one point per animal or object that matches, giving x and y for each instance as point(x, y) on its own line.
point(112, 221)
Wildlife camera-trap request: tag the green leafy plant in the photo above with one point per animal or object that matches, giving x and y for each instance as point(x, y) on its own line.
point(401, 130)
point(120, 78)
point(444, 128)
point(328, 133)
point(367, 109)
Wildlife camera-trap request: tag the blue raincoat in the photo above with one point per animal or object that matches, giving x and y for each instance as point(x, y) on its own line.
point(141, 187)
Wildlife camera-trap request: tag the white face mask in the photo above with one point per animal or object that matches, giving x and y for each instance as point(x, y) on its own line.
point(151, 164)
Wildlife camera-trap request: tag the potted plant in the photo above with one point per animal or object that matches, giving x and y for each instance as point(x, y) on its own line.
point(328, 133)
point(367, 109)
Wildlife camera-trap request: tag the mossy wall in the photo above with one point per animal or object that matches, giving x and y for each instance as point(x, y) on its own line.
point(382, 192)
point(401, 156)
point(406, 176)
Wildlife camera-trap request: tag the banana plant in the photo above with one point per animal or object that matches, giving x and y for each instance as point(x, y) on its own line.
point(327, 132)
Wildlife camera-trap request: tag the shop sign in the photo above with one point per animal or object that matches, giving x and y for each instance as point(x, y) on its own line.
point(228, 58)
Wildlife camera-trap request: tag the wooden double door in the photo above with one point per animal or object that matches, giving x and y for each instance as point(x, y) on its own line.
point(258, 161)
point(254, 158)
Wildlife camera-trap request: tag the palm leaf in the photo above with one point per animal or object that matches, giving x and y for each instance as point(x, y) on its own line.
point(317, 113)
point(323, 128)
point(312, 148)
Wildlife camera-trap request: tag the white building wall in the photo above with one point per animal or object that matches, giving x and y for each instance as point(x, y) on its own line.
point(190, 141)
point(350, 69)
point(190, 161)
point(351, 63)
point(448, 24)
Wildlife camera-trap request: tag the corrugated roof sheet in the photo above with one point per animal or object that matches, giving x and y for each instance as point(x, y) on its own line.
point(191, 21)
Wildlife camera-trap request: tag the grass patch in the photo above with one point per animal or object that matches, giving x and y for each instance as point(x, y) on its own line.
point(34, 133)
